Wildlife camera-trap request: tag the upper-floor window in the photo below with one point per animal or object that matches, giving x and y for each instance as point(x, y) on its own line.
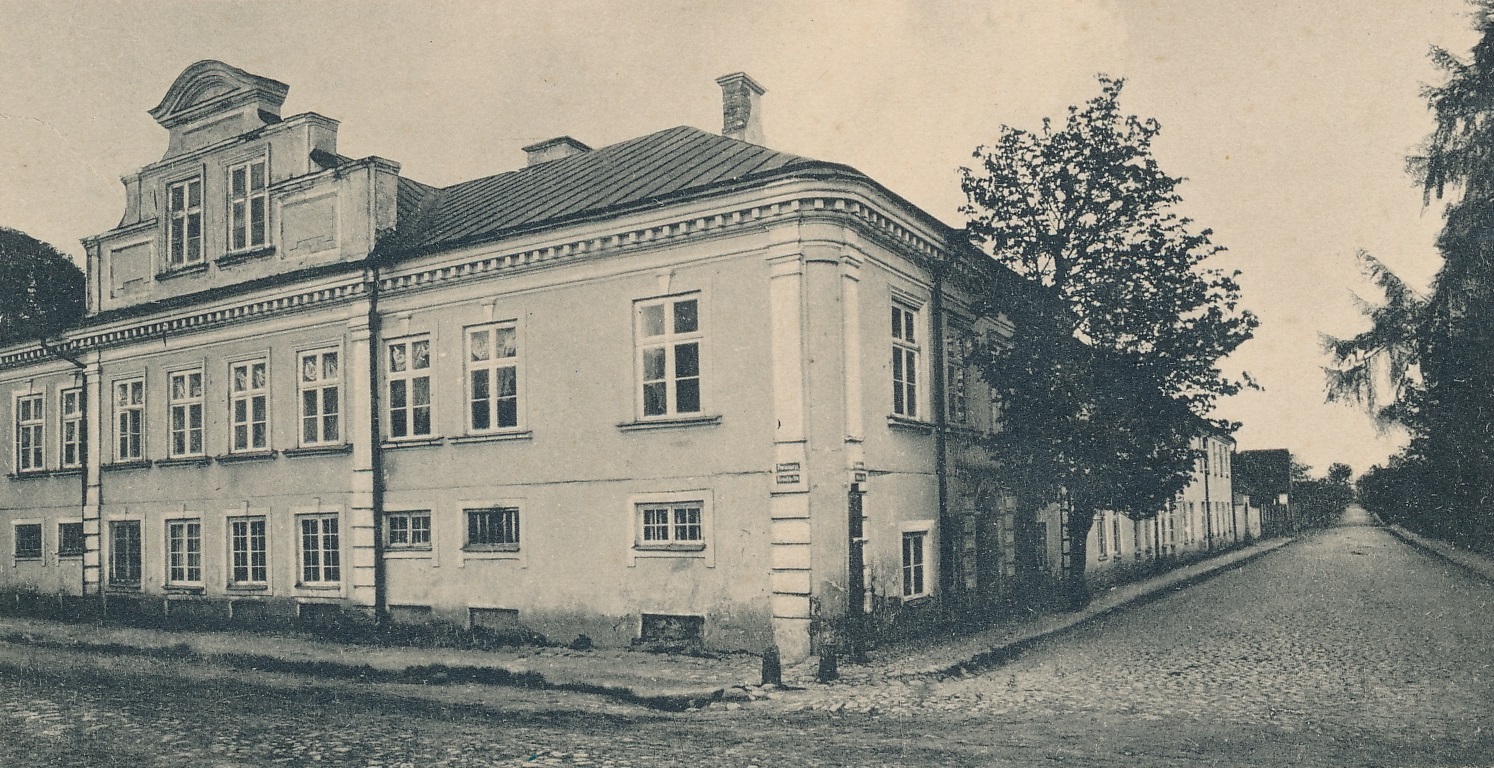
point(669, 339)
point(74, 438)
point(184, 233)
point(29, 428)
point(957, 383)
point(904, 361)
point(247, 206)
point(248, 406)
point(493, 377)
point(129, 420)
point(186, 413)
point(318, 380)
point(409, 388)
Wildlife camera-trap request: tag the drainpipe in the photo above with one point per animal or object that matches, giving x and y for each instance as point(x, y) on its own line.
point(83, 463)
point(1208, 500)
point(941, 442)
point(376, 448)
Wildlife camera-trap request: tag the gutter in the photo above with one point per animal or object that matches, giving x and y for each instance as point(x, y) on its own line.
point(941, 440)
point(83, 461)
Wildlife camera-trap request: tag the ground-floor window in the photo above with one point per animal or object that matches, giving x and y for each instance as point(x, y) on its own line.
point(408, 530)
point(671, 526)
point(184, 552)
point(248, 550)
point(915, 563)
point(1100, 543)
point(492, 528)
point(321, 560)
point(69, 539)
point(124, 553)
point(28, 538)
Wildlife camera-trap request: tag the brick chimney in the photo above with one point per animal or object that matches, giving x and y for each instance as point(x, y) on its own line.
point(554, 149)
point(741, 108)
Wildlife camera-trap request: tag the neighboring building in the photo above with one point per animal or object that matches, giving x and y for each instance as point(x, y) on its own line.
point(682, 384)
point(1203, 518)
point(1264, 479)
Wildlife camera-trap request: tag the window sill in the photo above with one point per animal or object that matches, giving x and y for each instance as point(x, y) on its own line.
point(235, 257)
point(912, 425)
point(491, 549)
point(127, 465)
point(185, 461)
point(318, 450)
point(397, 553)
point(30, 474)
point(667, 548)
point(69, 555)
point(493, 437)
point(122, 589)
point(231, 458)
point(195, 269)
point(918, 601)
point(411, 442)
point(28, 558)
point(321, 587)
point(246, 588)
point(184, 589)
point(675, 423)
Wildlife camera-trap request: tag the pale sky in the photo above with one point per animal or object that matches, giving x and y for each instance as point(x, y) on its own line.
point(1291, 120)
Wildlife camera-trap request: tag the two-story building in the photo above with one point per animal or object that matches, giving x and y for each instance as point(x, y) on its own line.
point(682, 385)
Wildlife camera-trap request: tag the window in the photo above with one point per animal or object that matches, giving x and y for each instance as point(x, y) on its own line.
point(412, 530)
point(904, 361)
point(248, 406)
point(183, 552)
point(247, 205)
point(186, 413)
point(409, 388)
point(493, 377)
point(124, 553)
point(74, 438)
point(184, 236)
point(28, 540)
point(677, 525)
point(957, 385)
point(129, 413)
point(248, 551)
point(1101, 548)
point(669, 340)
point(321, 559)
point(1115, 529)
point(493, 528)
point(29, 424)
point(69, 539)
point(915, 564)
point(319, 379)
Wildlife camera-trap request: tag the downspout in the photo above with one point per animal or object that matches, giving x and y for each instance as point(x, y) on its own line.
point(376, 449)
point(83, 463)
point(941, 441)
point(1208, 500)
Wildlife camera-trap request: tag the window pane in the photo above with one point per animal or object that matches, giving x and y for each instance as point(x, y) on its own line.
point(653, 364)
point(257, 176)
point(685, 319)
point(508, 381)
point(308, 368)
point(420, 390)
point(477, 344)
point(687, 396)
point(397, 360)
point(329, 366)
point(420, 354)
point(687, 359)
point(653, 320)
point(257, 376)
point(507, 340)
point(240, 378)
point(654, 399)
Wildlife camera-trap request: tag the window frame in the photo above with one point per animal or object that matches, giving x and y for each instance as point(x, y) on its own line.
point(250, 196)
point(959, 345)
point(489, 367)
point(509, 512)
point(71, 419)
point(111, 576)
point(188, 404)
point(703, 548)
point(323, 568)
point(36, 554)
point(248, 396)
point(232, 539)
point(180, 550)
point(409, 517)
point(120, 412)
point(921, 531)
point(187, 215)
point(30, 433)
point(1102, 548)
point(907, 355)
point(669, 340)
point(409, 377)
point(320, 385)
point(64, 551)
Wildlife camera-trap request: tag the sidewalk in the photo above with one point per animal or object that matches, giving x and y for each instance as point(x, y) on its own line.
point(1473, 561)
point(660, 681)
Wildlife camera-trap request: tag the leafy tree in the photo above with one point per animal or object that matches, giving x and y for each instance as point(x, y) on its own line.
point(43, 292)
point(1339, 473)
point(1115, 363)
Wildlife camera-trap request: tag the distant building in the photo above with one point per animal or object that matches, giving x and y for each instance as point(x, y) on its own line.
point(1264, 479)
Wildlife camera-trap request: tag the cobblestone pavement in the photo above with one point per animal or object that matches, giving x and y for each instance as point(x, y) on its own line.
point(1347, 648)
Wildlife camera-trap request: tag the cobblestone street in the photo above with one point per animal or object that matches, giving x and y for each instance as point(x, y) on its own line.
point(1346, 648)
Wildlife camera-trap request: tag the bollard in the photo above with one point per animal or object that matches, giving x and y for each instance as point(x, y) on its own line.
point(829, 670)
point(772, 666)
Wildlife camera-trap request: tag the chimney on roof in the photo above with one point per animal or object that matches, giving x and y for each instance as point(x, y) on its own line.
point(741, 108)
point(554, 149)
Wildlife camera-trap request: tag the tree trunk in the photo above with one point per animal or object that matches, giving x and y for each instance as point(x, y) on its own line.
point(1076, 588)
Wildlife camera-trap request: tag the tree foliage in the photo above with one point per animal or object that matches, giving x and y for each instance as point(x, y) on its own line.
point(1433, 349)
point(43, 291)
point(1116, 362)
